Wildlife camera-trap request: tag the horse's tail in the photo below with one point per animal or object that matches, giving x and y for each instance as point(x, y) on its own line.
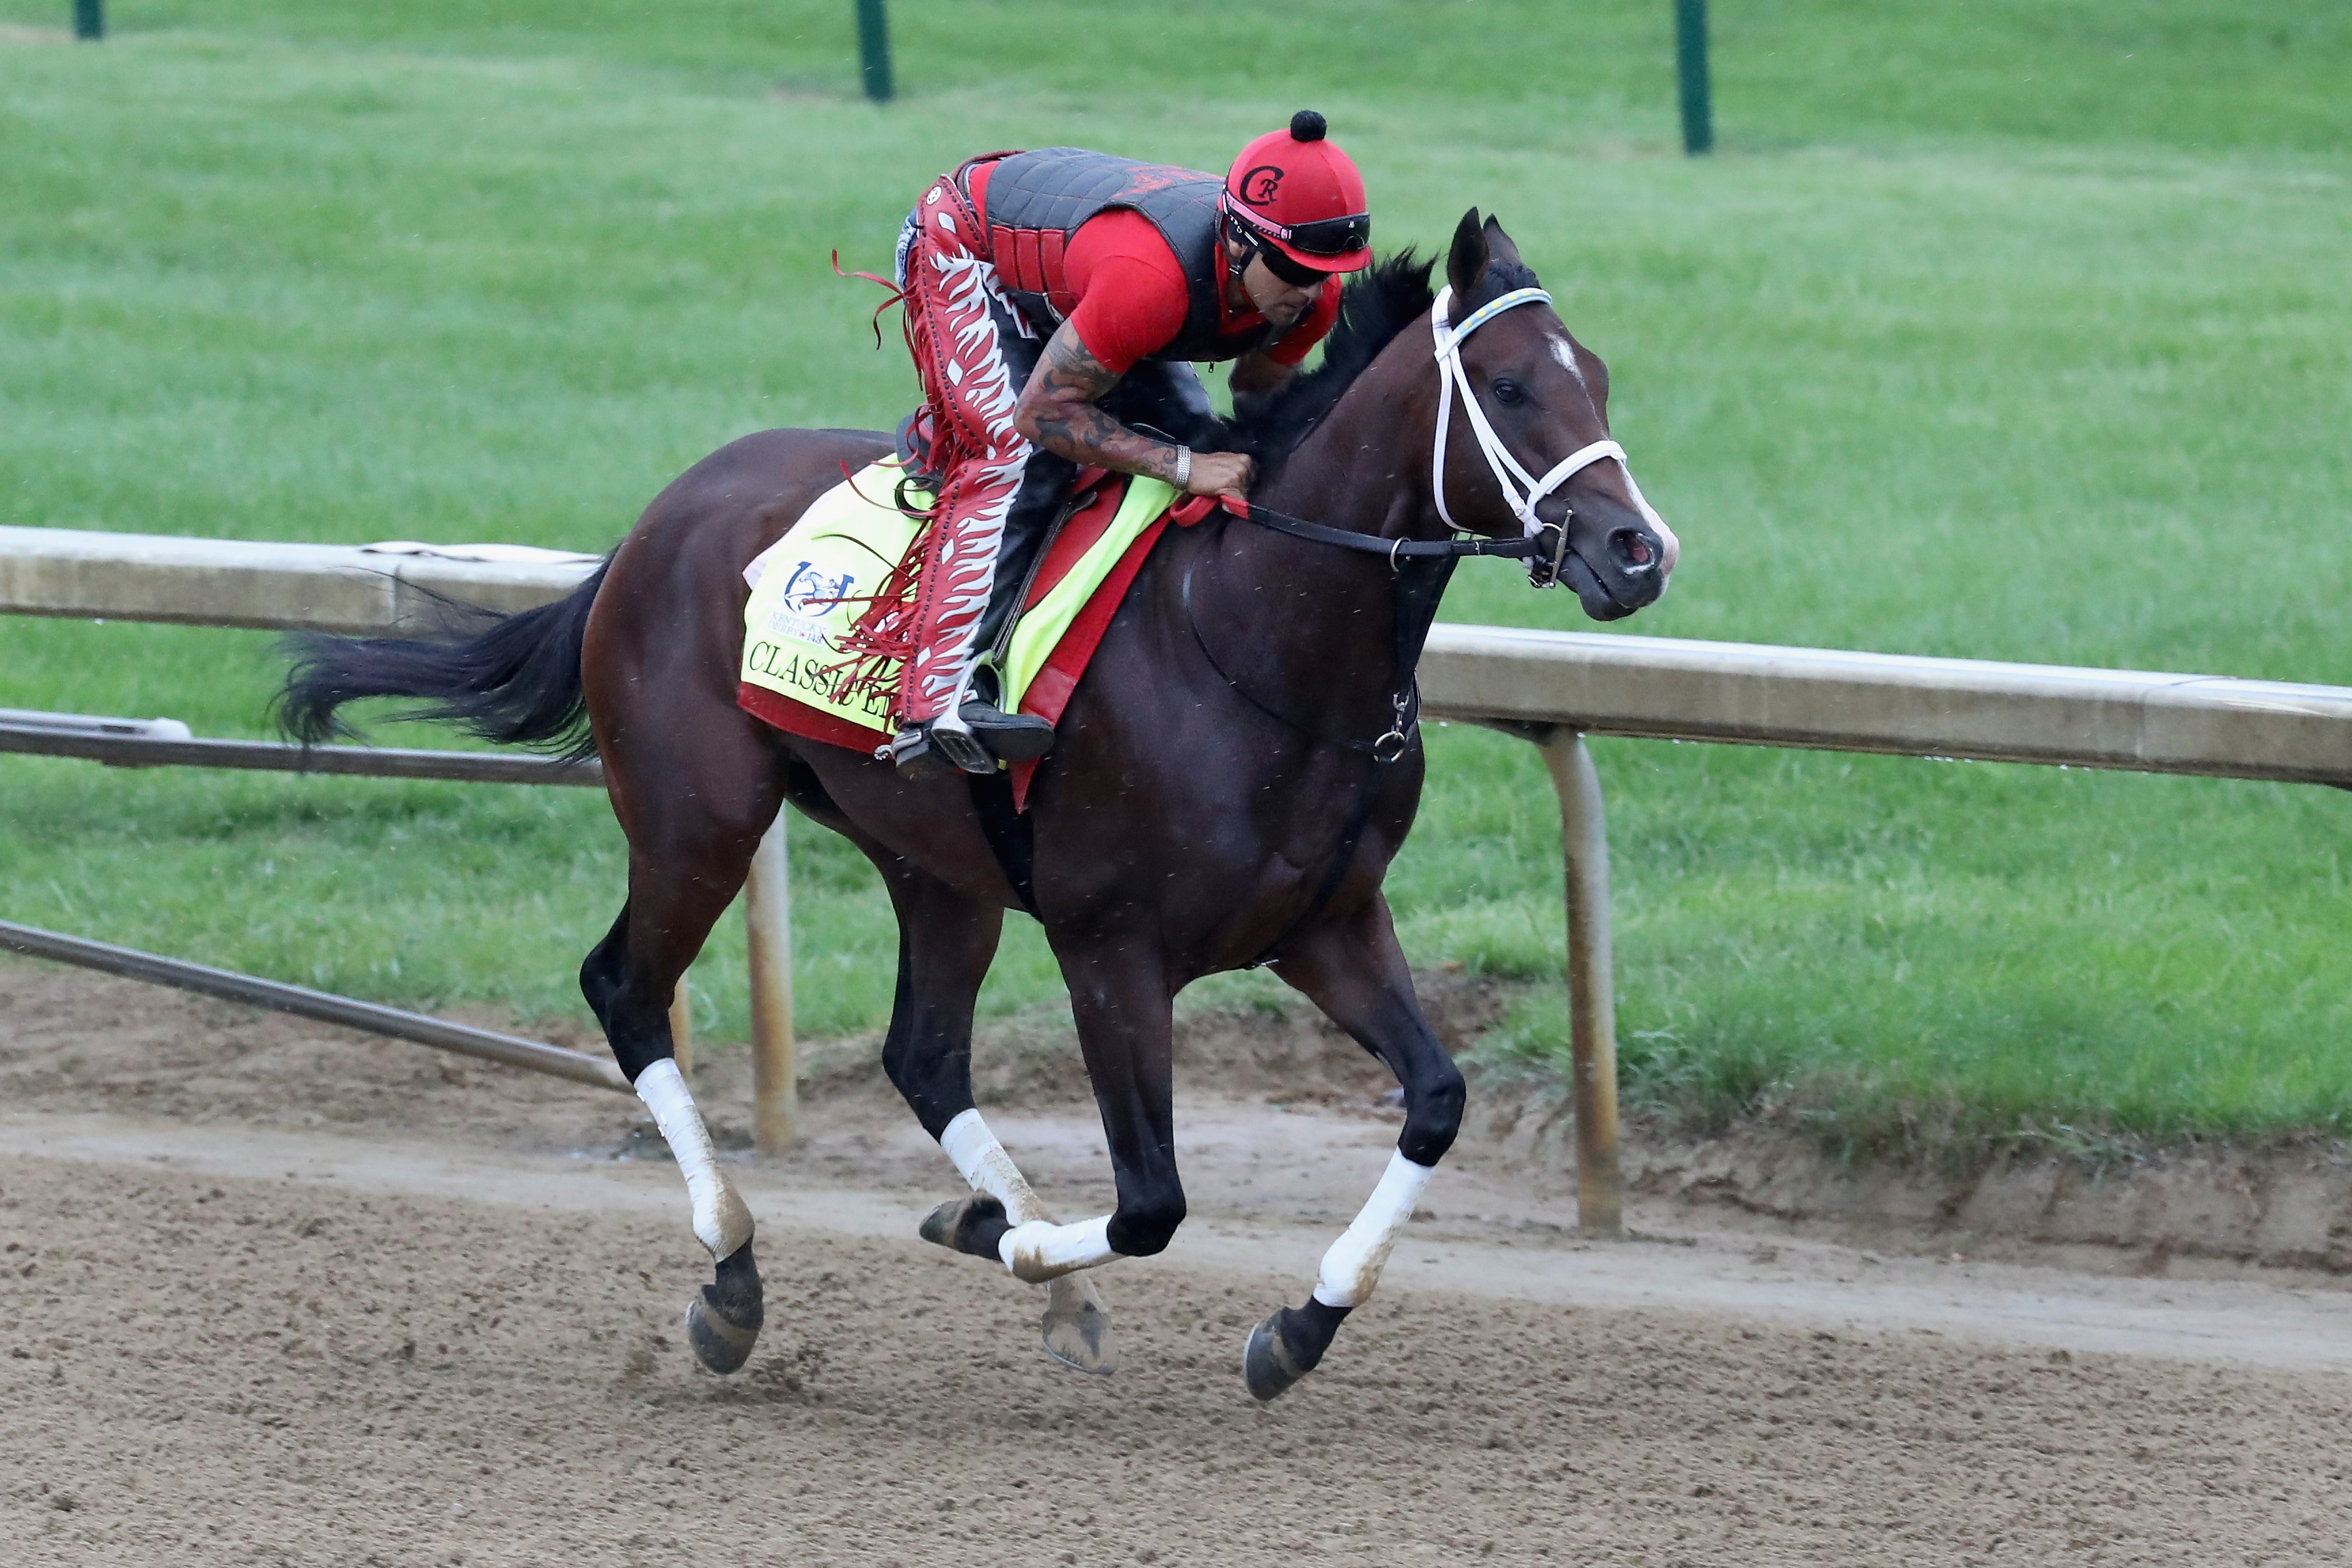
point(509, 678)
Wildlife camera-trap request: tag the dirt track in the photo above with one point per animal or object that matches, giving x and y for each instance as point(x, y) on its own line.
point(417, 1326)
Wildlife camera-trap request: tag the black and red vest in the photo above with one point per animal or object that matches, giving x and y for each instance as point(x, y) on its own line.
point(1035, 200)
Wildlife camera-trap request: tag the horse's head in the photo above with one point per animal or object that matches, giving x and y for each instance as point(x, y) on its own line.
point(1523, 435)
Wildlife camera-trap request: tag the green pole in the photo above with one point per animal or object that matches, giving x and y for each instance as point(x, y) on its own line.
point(89, 19)
point(1690, 69)
point(873, 50)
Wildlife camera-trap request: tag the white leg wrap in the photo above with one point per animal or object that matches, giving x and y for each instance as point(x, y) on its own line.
point(988, 1169)
point(1353, 1265)
point(1041, 1250)
point(1035, 1248)
point(721, 1222)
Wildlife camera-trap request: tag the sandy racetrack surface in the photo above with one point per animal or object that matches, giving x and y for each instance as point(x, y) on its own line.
point(228, 1335)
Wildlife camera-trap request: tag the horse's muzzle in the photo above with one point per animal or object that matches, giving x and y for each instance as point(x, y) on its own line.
point(1630, 570)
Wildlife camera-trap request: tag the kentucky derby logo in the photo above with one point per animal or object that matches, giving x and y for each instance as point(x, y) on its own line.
point(1259, 184)
point(807, 603)
point(810, 592)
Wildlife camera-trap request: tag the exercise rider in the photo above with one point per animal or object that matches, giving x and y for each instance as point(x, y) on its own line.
point(1055, 303)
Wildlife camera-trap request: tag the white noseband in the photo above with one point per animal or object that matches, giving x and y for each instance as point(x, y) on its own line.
point(1523, 490)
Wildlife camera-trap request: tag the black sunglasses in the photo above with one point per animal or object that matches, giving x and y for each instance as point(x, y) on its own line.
point(1324, 236)
point(1289, 271)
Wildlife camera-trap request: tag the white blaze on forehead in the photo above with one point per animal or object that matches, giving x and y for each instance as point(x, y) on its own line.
point(1565, 353)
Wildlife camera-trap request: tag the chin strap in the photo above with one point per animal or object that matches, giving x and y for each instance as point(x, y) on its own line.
point(1523, 491)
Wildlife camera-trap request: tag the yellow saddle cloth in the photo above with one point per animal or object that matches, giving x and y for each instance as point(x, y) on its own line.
point(811, 586)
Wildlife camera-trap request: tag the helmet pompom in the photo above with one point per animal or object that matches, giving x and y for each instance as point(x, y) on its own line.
point(1307, 126)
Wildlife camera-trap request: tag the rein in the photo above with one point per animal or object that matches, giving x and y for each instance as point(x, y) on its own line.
point(1366, 544)
point(1417, 593)
point(1421, 569)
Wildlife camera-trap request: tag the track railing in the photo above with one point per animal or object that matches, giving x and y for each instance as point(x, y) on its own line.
point(1553, 688)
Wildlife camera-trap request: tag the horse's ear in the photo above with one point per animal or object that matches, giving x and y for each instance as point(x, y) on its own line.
point(1466, 263)
point(1499, 247)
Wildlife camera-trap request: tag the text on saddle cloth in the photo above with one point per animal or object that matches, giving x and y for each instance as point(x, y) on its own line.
point(811, 586)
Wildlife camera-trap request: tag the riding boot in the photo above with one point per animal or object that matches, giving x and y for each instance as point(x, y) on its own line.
point(977, 734)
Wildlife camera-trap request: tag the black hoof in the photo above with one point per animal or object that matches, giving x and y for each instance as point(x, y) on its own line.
point(1287, 1346)
point(974, 1225)
point(722, 1324)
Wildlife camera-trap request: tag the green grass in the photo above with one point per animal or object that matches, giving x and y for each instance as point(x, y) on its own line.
point(2003, 331)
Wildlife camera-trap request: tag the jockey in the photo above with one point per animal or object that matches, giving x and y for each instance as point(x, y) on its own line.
point(1056, 301)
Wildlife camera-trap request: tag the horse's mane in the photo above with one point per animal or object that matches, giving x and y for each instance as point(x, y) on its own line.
point(1375, 308)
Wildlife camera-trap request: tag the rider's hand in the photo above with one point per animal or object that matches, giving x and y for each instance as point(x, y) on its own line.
point(1221, 474)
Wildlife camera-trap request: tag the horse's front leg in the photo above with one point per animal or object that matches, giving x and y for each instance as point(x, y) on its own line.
point(1351, 968)
point(1123, 1009)
point(1077, 1326)
point(946, 941)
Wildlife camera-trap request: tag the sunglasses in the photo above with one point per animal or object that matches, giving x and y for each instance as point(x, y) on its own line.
point(1289, 271)
point(1324, 236)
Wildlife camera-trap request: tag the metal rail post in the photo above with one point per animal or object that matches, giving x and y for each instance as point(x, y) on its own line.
point(873, 50)
point(1691, 77)
point(1591, 988)
point(775, 1055)
point(89, 20)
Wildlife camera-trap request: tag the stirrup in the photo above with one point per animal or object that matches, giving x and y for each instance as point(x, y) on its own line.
point(918, 761)
point(923, 752)
point(1009, 737)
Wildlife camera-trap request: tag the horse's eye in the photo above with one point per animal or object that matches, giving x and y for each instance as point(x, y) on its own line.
point(1509, 393)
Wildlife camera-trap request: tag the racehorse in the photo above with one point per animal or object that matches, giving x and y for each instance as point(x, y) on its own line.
point(1235, 772)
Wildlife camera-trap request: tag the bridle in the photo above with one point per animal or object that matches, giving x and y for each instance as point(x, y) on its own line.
point(1528, 491)
point(1419, 568)
point(1417, 591)
point(1522, 491)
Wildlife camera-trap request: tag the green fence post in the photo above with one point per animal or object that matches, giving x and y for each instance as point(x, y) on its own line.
point(873, 50)
point(89, 19)
point(1690, 69)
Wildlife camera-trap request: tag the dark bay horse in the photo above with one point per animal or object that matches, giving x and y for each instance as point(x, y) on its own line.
point(1233, 775)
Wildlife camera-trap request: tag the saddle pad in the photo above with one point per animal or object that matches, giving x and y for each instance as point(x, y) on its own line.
point(810, 586)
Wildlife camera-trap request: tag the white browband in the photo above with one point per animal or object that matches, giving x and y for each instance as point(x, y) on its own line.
point(1521, 490)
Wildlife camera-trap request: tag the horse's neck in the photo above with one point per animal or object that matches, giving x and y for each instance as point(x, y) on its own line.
point(1320, 620)
point(1365, 467)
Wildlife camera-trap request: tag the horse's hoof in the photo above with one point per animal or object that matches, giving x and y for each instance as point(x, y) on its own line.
point(1267, 1367)
point(975, 1223)
point(1287, 1346)
point(1077, 1325)
point(723, 1322)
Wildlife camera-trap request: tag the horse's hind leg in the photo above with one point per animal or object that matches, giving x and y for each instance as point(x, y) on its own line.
point(689, 854)
point(945, 943)
point(1352, 969)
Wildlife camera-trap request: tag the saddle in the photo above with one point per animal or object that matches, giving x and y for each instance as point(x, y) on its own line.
point(802, 670)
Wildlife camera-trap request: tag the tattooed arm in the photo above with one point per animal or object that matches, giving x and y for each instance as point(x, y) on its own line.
point(1057, 411)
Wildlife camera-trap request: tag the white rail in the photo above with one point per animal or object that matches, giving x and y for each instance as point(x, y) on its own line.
point(276, 587)
point(1552, 687)
point(1827, 700)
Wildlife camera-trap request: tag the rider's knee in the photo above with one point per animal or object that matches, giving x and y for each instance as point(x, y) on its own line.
point(1432, 1114)
point(1144, 1227)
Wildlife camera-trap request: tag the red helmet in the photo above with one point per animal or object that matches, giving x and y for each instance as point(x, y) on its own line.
point(1295, 192)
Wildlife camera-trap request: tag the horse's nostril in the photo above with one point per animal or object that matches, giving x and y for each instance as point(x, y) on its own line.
point(1632, 548)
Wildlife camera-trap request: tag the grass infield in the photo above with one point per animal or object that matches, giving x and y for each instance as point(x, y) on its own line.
point(2005, 330)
